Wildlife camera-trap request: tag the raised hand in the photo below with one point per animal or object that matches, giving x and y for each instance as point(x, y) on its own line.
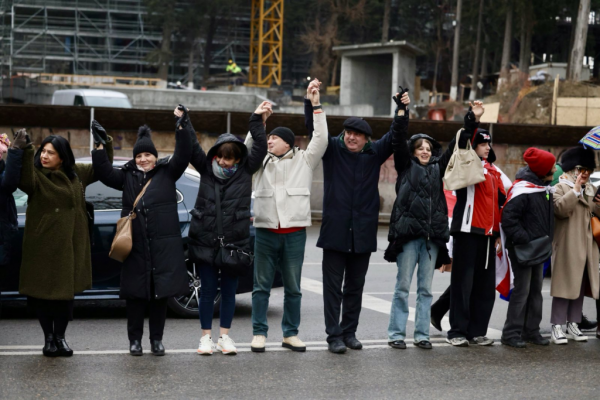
point(578, 182)
point(478, 109)
point(99, 133)
point(264, 107)
point(402, 100)
point(313, 92)
point(182, 119)
point(21, 139)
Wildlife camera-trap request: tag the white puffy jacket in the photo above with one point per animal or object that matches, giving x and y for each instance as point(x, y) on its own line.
point(282, 185)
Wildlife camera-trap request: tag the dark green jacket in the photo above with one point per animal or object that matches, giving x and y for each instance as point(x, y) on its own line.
point(56, 261)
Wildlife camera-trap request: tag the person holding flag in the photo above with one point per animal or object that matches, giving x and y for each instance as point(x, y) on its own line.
point(528, 214)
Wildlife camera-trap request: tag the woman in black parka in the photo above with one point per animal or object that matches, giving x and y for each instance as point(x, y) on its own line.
point(10, 173)
point(418, 227)
point(155, 269)
point(230, 165)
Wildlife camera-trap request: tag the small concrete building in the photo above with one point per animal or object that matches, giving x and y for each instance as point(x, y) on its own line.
point(372, 72)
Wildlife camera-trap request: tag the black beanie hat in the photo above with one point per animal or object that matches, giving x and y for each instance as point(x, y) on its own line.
point(480, 136)
point(578, 156)
point(144, 142)
point(358, 125)
point(285, 134)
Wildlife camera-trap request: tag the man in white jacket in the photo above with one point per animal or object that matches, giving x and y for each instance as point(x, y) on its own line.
point(281, 215)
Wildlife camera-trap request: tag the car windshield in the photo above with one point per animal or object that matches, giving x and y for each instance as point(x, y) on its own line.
point(115, 102)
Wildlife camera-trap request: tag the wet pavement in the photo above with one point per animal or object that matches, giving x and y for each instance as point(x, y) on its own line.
point(102, 367)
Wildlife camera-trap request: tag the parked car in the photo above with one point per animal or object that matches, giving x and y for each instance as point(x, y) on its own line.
point(106, 272)
point(90, 98)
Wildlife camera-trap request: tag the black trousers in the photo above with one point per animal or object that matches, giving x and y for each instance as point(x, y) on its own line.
point(441, 305)
point(136, 311)
point(525, 306)
point(473, 283)
point(349, 270)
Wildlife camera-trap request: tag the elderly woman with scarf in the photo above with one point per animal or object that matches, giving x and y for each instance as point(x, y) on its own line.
point(227, 168)
point(418, 226)
point(56, 260)
point(155, 269)
point(575, 254)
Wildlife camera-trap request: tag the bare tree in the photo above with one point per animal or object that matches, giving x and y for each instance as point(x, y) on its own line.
point(527, 20)
point(162, 13)
point(474, 77)
point(321, 37)
point(385, 30)
point(455, 53)
point(506, 47)
point(579, 42)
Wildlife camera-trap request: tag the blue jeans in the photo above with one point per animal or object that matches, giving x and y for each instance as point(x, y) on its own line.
point(286, 252)
point(209, 280)
point(414, 252)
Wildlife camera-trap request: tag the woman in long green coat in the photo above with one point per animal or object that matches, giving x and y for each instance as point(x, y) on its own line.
point(56, 261)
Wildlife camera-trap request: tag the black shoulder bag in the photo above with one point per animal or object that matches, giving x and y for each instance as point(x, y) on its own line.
point(232, 260)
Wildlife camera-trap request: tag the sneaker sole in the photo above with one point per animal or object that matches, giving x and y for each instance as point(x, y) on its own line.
point(229, 353)
point(577, 338)
point(465, 344)
point(293, 348)
point(397, 347)
point(204, 353)
point(559, 341)
point(257, 349)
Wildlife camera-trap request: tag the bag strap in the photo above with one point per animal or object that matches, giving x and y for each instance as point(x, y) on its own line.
point(458, 138)
point(220, 235)
point(139, 196)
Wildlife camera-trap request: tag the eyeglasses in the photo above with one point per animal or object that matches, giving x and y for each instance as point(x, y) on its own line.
point(583, 169)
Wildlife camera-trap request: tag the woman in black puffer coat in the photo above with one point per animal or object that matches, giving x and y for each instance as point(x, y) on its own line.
point(418, 227)
point(155, 269)
point(228, 167)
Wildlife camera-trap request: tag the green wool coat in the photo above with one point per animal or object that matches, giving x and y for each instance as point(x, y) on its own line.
point(56, 261)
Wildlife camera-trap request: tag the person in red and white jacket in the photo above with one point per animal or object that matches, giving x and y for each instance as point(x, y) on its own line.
point(475, 228)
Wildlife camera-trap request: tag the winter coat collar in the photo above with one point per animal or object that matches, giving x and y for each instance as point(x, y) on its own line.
point(228, 138)
point(525, 174)
point(567, 179)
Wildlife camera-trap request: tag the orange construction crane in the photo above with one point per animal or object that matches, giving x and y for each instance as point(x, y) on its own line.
point(266, 43)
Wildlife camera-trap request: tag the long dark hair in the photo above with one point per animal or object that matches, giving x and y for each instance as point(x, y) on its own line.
point(63, 148)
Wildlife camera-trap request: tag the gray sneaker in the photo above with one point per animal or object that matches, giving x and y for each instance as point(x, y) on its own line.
point(482, 341)
point(458, 342)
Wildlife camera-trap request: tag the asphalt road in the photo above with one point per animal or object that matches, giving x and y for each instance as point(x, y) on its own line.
point(102, 368)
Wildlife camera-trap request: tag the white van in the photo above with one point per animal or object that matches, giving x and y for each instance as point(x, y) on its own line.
point(90, 98)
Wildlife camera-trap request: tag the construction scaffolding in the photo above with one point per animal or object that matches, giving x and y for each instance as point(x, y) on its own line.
point(100, 37)
point(266, 43)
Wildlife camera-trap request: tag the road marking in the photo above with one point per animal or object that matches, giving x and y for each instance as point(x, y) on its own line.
point(318, 263)
point(384, 306)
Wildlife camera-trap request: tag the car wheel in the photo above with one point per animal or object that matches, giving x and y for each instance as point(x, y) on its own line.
point(187, 306)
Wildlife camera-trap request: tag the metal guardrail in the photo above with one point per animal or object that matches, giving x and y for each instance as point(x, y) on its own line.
point(98, 80)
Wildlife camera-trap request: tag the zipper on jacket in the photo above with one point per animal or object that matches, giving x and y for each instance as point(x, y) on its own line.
point(494, 193)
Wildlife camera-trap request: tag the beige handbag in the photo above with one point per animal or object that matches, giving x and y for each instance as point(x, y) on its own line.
point(464, 168)
point(122, 243)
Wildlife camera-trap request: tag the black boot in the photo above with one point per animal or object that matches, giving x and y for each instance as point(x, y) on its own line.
point(50, 349)
point(63, 348)
point(157, 347)
point(586, 324)
point(337, 347)
point(135, 348)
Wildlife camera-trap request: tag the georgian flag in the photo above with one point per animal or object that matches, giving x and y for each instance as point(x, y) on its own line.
point(504, 274)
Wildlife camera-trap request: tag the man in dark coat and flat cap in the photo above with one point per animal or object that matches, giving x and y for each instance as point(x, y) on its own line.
point(351, 167)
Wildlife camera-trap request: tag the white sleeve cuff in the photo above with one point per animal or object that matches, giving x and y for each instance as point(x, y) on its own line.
point(577, 193)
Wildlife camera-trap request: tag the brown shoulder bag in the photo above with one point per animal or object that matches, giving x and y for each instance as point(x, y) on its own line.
point(122, 243)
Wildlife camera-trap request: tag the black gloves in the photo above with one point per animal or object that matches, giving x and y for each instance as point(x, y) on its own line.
point(398, 99)
point(470, 117)
point(21, 139)
point(99, 133)
point(184, 120)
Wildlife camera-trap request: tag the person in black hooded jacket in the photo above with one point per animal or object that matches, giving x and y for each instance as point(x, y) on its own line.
point(418, 226)
point(228, 167)
point(155, 269)
point(527, 215)
point(10, 173)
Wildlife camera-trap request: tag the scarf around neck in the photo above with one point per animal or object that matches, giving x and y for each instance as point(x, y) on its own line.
point(223, 173)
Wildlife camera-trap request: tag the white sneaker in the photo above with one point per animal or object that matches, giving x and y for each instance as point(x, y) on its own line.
point(226, 345)
point(258, 344)
point(482, 341)
point(458, 342)
point(574, 333)
point(206, 346)
point(558, 337)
